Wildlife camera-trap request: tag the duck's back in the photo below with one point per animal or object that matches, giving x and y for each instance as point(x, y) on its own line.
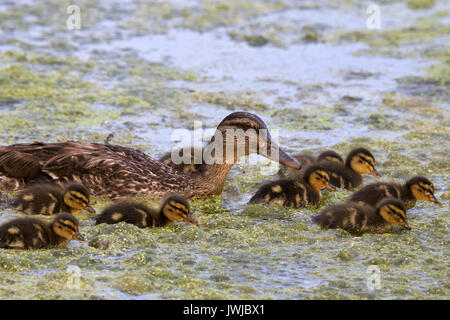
point(106, 170)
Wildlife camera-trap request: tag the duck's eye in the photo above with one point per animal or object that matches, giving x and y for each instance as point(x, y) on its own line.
point(360, 161)
point(317, 178)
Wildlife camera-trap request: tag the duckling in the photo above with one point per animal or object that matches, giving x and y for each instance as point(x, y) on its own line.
point(173, 208)
point(416, 188)
point(359, 161)
point(32, 233)
point(49, 199)
point(357, 218)
point(190, 164)
point(307, 159)
point(296, 194)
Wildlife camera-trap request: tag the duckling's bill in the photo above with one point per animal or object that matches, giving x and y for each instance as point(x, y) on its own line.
point(89, 208)
point(330, 187)
point(375, 173)
point(79, 237)
point(190, 220)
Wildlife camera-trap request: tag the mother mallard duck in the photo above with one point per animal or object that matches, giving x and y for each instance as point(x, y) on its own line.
point(115, 171)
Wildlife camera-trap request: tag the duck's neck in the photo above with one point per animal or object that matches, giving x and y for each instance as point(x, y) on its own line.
point(211, 178)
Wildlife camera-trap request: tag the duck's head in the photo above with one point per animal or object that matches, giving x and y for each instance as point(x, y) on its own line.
point(362, 161)
point(76, 196)
point(393, 211)
point(243, 133)
point(330, 155)
point(66, 226)
point(176, 208)
point(318, 177)
point(421, 188)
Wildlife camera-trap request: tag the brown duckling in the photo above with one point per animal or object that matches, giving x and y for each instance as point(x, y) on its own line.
point(416, 188)
point(296, 194)
point(357, 218)
point(173, 208)
point(32, 233)
point(307, 159)
point(187, 167)
point(50, 199)
point(359, 161)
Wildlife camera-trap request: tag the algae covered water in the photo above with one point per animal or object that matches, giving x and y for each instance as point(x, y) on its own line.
point(310, 69)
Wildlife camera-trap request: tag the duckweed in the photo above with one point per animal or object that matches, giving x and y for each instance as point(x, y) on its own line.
point(51, 91)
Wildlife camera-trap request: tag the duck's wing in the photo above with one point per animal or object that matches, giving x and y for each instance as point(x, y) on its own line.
point(18, 164)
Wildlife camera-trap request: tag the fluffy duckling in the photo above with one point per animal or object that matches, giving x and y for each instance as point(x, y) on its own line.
point(190, 164)
point(359, 161)
point(416, 188)
point(357, 218)
point(307, 159)
point(32, 233)
point(296, 194)
point(173, 208)
point(49, 199)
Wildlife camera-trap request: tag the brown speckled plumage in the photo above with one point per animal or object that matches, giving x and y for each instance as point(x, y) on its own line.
point(115, 171)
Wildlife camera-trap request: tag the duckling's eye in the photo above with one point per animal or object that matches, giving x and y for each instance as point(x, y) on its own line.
point(317, 178)
point(360, 161)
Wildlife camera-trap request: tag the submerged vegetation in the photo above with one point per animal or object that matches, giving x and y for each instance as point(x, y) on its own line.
point(141, 69)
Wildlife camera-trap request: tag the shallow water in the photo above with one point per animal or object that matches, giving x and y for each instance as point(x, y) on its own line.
point(310, 69)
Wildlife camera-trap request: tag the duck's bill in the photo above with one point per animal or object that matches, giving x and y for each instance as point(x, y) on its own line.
point(375, 173)
point(79, 237)
point(89, 209)
point(330, 187)
point(190, 220)
point(285, 159)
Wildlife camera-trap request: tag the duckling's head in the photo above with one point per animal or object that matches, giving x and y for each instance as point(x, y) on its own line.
point(362, 161)
point(176, 208)
point(393, 211)
point(66, 226)
point(421, 188)
point(317, 177)
point(245, 133)
point(330, 155)
point(76, 196)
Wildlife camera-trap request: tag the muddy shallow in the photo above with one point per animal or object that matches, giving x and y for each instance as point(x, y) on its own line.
point(310, 69)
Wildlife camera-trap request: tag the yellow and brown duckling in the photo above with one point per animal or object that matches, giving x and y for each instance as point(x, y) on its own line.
point(296, 194)
point(307, 159)
point(173, 208)
point(357, 218)
point(33, 233)
point(359, 161)
point(187, 166)
point(116, 171)
point(416, 188)
point(50, 199)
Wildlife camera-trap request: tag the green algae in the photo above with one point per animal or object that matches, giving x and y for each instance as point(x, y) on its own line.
point(238, 251)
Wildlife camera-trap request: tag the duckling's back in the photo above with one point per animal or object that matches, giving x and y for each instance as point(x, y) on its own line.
point(286, 192)
point(39, 199)
point(372, 193)
point(341, 176)
point(127, 211)
point(24, 233)
point(351, 217)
